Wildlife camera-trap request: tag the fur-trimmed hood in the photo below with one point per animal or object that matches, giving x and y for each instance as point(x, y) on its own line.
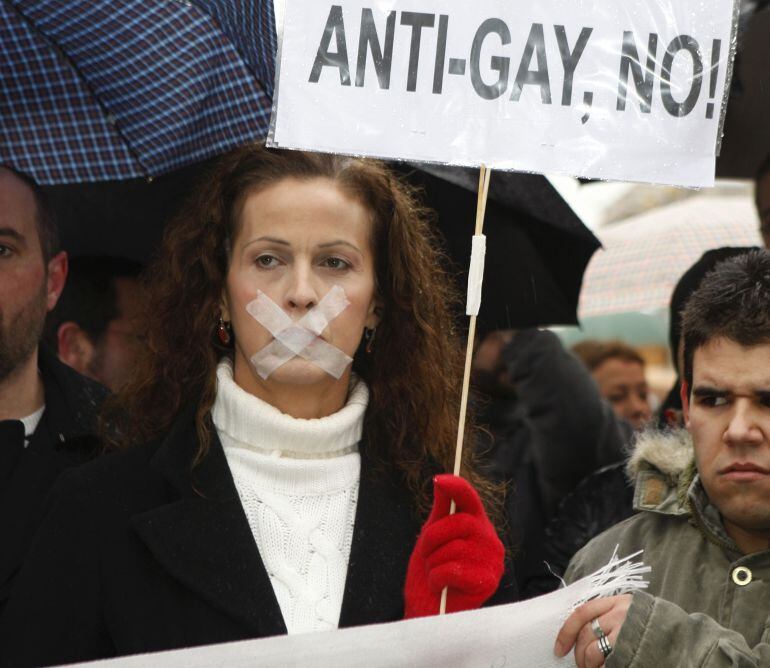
point(669, 451)
point(662, 465)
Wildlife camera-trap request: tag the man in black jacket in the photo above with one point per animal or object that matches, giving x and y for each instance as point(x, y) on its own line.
point(46, 409)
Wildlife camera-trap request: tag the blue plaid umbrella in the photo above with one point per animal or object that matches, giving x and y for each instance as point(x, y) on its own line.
point(94, 90)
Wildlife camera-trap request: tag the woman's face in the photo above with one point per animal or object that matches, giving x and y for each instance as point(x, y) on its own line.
point(296, 240)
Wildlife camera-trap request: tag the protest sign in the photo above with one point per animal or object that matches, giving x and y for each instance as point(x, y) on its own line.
point(595, 88)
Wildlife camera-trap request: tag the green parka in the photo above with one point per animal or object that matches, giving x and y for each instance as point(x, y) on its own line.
point(708, 604)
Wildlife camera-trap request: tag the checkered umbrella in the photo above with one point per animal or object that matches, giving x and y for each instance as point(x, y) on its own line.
point(94, 90)
point(644, 256)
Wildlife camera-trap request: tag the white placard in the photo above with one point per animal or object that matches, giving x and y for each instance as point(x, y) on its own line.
point(519, 634)
point(629, 90)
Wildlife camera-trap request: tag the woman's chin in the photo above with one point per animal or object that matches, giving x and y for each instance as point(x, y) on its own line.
point(299, 371)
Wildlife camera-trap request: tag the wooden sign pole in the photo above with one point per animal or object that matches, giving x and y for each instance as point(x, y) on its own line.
point(481, 206)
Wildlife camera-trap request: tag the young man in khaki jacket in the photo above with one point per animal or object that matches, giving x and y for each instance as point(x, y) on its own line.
point(703, 497)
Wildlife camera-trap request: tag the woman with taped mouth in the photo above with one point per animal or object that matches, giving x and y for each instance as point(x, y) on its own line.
point(280, 442)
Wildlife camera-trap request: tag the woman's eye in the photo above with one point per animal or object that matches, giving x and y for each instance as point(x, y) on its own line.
point(5, 251)
point(336, 263)
point(267, 261)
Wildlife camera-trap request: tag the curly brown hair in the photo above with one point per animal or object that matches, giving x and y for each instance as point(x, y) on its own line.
point(413, 372)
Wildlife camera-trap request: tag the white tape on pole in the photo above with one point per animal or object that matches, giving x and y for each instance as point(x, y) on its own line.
point(476, 274)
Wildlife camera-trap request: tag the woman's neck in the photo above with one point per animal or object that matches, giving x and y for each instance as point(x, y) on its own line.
point(315, 400)
point(245, 420)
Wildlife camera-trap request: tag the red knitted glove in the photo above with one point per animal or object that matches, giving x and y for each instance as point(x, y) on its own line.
point(460, 551)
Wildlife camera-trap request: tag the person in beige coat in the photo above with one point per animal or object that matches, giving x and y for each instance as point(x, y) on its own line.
point(703, 497)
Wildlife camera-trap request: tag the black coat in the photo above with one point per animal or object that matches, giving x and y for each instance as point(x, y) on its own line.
point(140, 555)
point(600, 501)
point(551, 432)
point(63, 438)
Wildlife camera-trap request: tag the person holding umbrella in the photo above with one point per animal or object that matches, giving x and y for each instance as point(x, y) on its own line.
point(297, 394)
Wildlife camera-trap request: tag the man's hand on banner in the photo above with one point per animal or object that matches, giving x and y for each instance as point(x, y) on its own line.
point(585, 627)
point(460, 551)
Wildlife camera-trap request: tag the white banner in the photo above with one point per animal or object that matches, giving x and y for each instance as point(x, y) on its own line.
point(519, 634)
point(608, 89)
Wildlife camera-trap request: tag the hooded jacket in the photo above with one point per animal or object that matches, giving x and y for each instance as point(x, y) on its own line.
point(707, 603)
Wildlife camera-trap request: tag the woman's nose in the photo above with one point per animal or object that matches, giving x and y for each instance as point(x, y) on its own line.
point(302, 293)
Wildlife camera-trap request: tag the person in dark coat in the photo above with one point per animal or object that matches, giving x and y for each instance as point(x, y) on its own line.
point(548, 428)
point(47, 411)
point(298, 393)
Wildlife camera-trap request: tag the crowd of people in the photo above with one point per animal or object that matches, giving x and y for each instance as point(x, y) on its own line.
point(250, 437)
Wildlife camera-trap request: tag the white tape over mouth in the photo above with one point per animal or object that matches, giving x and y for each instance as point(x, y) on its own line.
point(300, 338)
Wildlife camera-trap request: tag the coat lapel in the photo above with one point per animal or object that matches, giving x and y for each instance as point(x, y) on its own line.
point(384, 535)
point(203, 538)
point(204, 541)
point(63, 438)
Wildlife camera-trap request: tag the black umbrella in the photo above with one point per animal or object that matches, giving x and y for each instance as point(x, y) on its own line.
point(746, 141)
point(537, 247)
point(120, 218)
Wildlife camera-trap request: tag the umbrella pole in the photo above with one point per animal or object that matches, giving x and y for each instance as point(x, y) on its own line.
point(481, 206)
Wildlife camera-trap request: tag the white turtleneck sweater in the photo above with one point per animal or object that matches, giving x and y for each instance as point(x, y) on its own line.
point(298, 483)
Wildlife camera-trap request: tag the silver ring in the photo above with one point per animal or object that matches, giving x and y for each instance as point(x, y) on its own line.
point(604, 646)
point(598, 632)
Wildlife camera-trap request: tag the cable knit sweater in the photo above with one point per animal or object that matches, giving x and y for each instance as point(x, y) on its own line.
point(298, 483)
